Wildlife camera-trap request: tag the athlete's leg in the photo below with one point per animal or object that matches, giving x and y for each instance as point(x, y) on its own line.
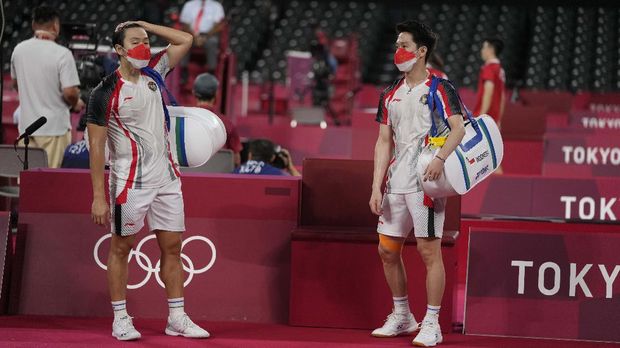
point(430, 251)
point(390, 251)
point(171, 269)
point(393, 227)
point(117, 265)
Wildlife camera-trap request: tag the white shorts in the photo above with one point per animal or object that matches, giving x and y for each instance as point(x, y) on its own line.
point(402, 212)
point(162, 206)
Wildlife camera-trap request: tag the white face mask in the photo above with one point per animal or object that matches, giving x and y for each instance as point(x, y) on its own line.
point(404, 60)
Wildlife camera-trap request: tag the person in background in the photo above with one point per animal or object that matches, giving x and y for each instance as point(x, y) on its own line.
point(46, 77)
point(435, 66)
point(265, 158)
point(491, 97)
point(204, 19)
point(205, 91)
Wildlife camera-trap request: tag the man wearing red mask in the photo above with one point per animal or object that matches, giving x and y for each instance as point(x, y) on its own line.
point(405, 122)
point(127, 111)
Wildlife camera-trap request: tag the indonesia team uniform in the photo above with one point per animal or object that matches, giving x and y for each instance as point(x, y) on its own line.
point(406, 111)
point(491, 71)
point(144, 180)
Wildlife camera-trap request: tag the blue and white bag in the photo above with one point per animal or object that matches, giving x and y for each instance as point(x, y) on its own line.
point(479, 154)
point(194, 134)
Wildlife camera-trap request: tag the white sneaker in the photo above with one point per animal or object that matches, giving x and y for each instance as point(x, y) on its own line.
point(124, 330)
point(184, 326)
point(429, 336)
point(397, 324)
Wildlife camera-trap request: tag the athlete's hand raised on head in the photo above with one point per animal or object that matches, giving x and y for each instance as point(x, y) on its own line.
point(100, 212)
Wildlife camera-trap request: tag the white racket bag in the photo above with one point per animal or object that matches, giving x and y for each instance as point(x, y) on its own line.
point(480, 153)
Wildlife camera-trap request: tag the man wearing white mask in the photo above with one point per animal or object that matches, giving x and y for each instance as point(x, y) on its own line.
point(127, 110)
point(405, 123)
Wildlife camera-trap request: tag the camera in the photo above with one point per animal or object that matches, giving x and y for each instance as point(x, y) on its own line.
point(281, 160)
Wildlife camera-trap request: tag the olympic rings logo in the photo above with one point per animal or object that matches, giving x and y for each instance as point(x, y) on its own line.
point(147, 265)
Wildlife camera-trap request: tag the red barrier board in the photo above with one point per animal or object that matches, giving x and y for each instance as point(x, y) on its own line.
point(544, 283)
point(236, 249)
point(581, 156)
point(337, 280)
point(587, 200)
point(594, 121)
point(4, 255)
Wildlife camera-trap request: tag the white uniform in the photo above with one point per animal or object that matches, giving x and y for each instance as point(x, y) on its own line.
point(143, 176)
point(42, 69)
point(406, 111)
point(212, 13)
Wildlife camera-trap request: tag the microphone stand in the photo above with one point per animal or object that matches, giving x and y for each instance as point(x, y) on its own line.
point(26, 142)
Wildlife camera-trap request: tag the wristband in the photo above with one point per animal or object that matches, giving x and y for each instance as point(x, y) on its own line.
point(441, 159)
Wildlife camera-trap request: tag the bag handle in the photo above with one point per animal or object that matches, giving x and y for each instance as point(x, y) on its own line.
point(159, 80)
point(433, 98)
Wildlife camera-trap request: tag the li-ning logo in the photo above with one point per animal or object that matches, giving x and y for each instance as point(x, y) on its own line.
point(147, 265)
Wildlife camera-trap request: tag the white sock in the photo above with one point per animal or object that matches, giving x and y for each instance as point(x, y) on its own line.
point(432, 313)
point(176, 307)
point(120, 309)
point(401, 305)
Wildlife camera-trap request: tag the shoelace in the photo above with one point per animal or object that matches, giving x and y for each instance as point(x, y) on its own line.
point(391, 317)
point(186, 322)
point(126, 324)
point(427, 328)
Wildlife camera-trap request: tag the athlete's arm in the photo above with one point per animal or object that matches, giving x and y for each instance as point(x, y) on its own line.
point(180, 41)
point(97, 136)
point(487, 94)
point(383, 153)
point(457, 132)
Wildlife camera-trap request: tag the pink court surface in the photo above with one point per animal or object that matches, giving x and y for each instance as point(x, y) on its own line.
point(41, 331)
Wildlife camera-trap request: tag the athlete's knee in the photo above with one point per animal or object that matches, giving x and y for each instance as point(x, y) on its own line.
point(171, 246)
point(390, 248)
point(121, 246)
point(430, 252)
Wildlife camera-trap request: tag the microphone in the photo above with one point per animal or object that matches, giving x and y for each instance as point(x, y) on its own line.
point(33, 128)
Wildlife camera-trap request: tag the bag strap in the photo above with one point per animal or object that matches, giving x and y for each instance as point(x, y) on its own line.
point(159, 80)
point(433, 99)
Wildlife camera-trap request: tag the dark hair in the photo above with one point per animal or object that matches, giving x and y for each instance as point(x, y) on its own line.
point(119, 35)
point(421, 33)
point(496, 43)
point(262, 150)
point(45, 14)
point(205, 86)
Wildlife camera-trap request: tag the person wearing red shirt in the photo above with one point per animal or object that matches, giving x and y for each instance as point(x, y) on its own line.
point(435, 66)
point(491, 81)
point(205, 90)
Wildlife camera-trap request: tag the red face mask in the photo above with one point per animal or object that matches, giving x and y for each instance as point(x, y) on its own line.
point(404, 59)
point(139, 56)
